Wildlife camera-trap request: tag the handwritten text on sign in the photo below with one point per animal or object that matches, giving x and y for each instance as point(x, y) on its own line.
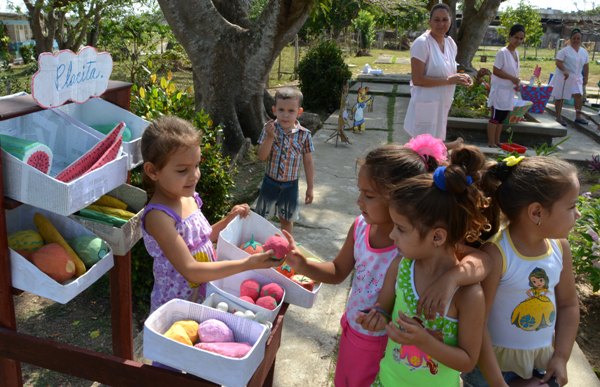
point(66, 76)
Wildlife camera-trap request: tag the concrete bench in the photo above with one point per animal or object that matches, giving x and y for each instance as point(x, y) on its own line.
point(528, 133)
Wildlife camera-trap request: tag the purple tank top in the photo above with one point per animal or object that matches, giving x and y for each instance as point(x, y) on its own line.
point(168, 282)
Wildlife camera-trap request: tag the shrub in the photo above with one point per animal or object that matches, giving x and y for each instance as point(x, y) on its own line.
point(365, 25)
point(584, 240)
point(27, 53)
point(155, 98)
point(323, 74)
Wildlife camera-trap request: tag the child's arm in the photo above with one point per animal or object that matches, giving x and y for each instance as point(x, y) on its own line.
point(487, 359)
point(309, 171)
point(469, 302)
point(473, 268)
point(327, 272)
point(567, 320)
point(162, 228)
point(373, 320)
point(264, 149)
point(240, 209)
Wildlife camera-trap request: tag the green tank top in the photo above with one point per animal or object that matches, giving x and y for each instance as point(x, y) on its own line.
point(407, 365)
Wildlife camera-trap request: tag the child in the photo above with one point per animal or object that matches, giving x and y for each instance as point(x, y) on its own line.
point(533, 308)
point(431, 216)
point(285, 144)
point(176, 233)
point(369, 250)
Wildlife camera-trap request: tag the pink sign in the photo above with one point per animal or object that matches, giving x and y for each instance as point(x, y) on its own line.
point(66, 76)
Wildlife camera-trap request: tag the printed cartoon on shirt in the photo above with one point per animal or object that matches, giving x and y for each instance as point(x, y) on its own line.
point(537, 311)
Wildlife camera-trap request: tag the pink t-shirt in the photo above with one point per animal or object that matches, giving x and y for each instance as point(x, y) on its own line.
point(370, 267)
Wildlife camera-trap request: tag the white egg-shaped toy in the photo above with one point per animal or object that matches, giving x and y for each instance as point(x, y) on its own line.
point(249, 314)
point(222, 306)
point(240, 313)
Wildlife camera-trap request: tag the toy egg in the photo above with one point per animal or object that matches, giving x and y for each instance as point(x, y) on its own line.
point(222, 306)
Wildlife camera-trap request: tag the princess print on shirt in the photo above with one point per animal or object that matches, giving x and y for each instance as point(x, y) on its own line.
point(537, 311)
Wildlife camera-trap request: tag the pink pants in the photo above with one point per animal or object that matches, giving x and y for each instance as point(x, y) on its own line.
point(358, 357)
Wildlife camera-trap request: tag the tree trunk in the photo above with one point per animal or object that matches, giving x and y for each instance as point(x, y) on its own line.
point(42, 25)
point(472, 29)
point(231, 57)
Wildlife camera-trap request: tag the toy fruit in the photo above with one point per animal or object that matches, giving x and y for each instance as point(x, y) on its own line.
point(252, 246)
point(214, 331)
point(278, 244)
point(247, 299)
point(51, 235)
point(178, 333)
point(250, 288)
point(53, 260)
point(191, 328)
point(235, 350)
point(32, 153)
point(273, 290)
point(267, 302)
point(25, 242)
point(304, 281)
point(89, 248)
point(286, 270)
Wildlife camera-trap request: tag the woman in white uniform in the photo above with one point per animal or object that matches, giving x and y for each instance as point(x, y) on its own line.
point(505, 81)
point(570, 76)
point(434, 77)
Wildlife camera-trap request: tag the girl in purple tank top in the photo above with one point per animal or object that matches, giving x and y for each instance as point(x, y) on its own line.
point(176, 233)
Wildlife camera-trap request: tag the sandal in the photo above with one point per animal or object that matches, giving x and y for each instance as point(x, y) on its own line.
point(581, 121)
point(562, 122)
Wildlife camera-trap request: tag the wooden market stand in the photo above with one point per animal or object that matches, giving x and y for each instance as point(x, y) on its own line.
point(118, 369)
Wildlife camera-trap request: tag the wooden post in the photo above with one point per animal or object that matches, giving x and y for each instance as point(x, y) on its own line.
point(296, 56)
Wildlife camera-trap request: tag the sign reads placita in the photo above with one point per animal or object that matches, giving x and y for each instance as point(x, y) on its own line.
point(66, 76)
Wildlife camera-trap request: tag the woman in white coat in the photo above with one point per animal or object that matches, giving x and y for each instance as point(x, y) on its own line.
point(433, 78)
point(570, 76)
point(505, 81)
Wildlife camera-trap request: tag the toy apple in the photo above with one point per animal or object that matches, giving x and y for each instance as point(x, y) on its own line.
point(267, 302)
point(304, 281)
point(272, 289)
point(252, 246)
point(250, 288)
point(278, 244)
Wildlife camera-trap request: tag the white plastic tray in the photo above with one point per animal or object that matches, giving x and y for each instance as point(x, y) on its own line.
point(26, 276)
point(208, 365)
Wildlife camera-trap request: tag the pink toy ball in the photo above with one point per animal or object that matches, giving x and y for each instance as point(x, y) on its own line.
point(250, 288)
point(247, 299)
point(267, 302)
point(273, 290)
point(214, 331)
point(278, 244)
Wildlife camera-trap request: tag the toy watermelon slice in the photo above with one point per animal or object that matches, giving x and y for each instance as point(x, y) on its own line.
point(84, 164)
point(31, 153)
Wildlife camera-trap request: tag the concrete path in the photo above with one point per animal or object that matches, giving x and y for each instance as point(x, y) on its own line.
point(308, 350)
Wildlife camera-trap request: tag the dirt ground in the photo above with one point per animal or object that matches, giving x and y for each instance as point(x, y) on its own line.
point(85, 321)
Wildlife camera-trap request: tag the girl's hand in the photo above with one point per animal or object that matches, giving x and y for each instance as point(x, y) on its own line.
point(436, 297)
point(408, 331)
point(557, 368)
point(240, 209)
point(372, 320)
point(263, 260)
point(566, 74)
point(294, 257)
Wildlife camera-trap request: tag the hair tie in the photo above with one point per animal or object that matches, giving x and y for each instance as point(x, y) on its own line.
point(511, 160)
point(469, 180)
point(439, 178)
point(425, 145)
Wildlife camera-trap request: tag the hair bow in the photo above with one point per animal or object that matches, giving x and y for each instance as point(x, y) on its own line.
point(511, 160)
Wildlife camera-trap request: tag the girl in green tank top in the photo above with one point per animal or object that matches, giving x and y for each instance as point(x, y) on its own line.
point(432, 215)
